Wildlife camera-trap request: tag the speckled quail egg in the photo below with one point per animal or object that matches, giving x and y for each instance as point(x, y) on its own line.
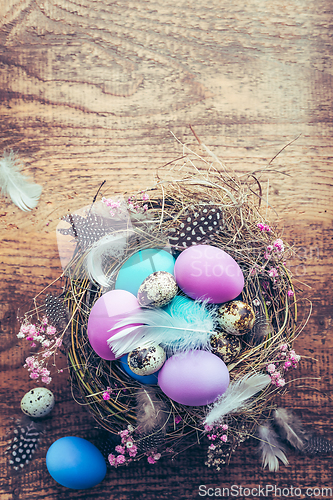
point(38, 402)
point(227, 347)
point(146, 360)
point(157, 290)
point(236, 317)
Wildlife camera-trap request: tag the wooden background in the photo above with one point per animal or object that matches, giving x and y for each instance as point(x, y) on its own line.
point(91, 90)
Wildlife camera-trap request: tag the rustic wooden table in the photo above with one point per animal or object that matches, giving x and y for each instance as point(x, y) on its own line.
point(92, 91)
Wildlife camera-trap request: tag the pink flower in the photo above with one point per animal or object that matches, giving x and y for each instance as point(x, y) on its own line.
point(224, 427)
point(283, 347)
point(120, 449)
point(46, 343)
point(178, 419)
point(30, 338)
point(120, 459)
point(34, 375)
point(267, 256)
point(208, 427)
point(269, 248)
point(275, 375)
point(132, 450)
point(46, 380)
point(20, 335)
point(157, 456)
point(123, 433)
point(50, 330)
point(58, 342)
point(273, 273)
point(280, 382)
point(287, 365)
point(44, 320)
point(212, 447)
point(271, 368)
point(224, 438)
point(44, 372)
point(145, 207)
point(106, 396)
point(151, 460)
point(112, 459)
point(290, 293)
point(145, 196)
point(279, 245)
point(47, 354)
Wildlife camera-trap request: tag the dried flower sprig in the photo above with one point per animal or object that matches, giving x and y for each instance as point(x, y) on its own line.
point(45, 335)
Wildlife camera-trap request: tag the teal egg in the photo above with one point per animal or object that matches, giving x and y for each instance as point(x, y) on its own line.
point(140, 265)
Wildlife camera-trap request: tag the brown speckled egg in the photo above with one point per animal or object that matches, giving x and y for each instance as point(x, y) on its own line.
point(157, 290)
point(146, 360)
point(227, 347)
point(236, 317)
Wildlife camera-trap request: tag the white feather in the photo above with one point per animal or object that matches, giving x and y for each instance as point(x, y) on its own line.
point(18, 187)
point(271, 448)
point(185, 328)
point(112, 246)
point(237, 397)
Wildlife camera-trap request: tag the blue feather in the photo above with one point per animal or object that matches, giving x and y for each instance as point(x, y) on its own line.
point(183, 325)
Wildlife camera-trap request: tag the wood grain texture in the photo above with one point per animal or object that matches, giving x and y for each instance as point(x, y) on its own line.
point(90, 91)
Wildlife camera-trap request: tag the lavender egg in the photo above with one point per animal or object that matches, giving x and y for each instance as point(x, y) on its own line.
point(195, 378)
point(205, 272)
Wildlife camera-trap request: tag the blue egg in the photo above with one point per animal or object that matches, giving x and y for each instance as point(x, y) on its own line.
point(140, 265)
point(75, 463)
point(143, 379)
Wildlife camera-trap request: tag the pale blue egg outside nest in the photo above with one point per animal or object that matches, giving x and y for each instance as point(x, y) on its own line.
point(140, 265)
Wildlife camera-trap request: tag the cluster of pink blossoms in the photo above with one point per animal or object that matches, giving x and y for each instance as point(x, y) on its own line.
point(127, 450)
point(264, 227)
point(287, 358)
point(44, 334)
point(220, 434)
point(133, 205)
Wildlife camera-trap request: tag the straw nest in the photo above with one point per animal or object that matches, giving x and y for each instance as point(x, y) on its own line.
point(188, 186)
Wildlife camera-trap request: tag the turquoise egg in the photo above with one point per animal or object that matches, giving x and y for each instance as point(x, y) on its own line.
point(140, 265)
point(143, 379)
point(75, 463)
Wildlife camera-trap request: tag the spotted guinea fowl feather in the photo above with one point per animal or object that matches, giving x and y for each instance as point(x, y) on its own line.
point(21, 448)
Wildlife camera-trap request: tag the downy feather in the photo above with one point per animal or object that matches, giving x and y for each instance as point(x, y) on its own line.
point(18, 187)
point(270, 447)
point(237, 397)
point(290, 428)
point(152, 416)
point(185, 328)
point(110, 246)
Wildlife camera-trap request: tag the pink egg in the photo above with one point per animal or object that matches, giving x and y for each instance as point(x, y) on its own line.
point(110, 308)
point(195, 378)
point(205, 272)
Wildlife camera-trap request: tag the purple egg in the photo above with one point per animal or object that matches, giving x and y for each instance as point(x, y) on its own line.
point(110, 308)
point(205, 272)
point(195, 378)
